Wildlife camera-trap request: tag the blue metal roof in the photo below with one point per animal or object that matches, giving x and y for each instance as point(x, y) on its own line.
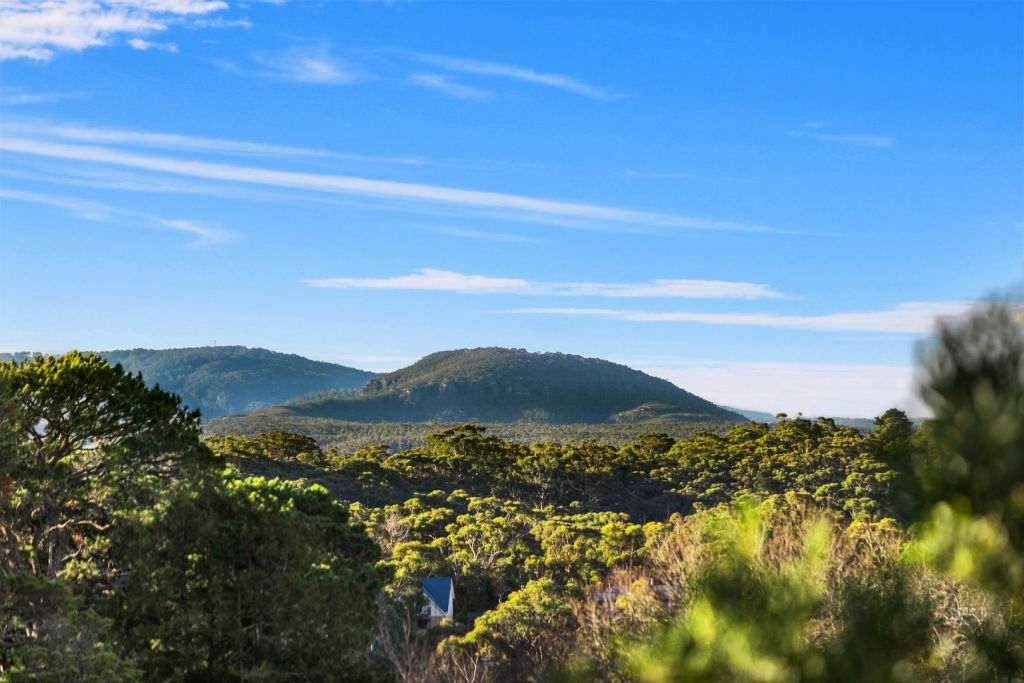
point(438, 589)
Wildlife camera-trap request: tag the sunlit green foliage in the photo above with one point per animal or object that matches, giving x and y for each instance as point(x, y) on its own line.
point(528, 628)
point(835, 464)
point(648, 478)
point(281, 446)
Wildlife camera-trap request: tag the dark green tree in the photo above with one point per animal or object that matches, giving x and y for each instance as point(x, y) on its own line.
point(892, 443)
point(249, 579)
point(82, 446)
point(82, 441)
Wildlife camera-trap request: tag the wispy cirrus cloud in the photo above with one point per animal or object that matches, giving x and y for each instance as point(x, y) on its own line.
point(165, 141)
point(815, 131)
point(912, 317)
point(450, 87)
point(219, 22)
point(89, 210)
point(876, 141)
point(432, 279)
point(143, 45)
point(205, 236)
point(37, 29)
point(428, 279)
point(477, 67)
point(306, 64)
point(132, 181)
point(18, 97)
point(650, 175)
point(520, 206)
point(487, 235)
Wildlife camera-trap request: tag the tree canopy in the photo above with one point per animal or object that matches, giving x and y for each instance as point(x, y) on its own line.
point(127, 554)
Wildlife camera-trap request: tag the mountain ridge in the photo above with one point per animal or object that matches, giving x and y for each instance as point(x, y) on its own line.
point(497, 384)
point(230, 380)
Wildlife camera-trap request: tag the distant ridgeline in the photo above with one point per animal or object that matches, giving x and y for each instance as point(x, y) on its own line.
point(228, 380)
point(512, 385)
point(489, 385)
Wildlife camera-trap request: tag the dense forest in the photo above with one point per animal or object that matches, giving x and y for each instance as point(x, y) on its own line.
point(349, 437)
point(135, 549)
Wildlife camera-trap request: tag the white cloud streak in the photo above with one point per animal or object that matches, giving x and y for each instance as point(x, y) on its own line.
point(16, 97)
point(815, 131)
point(36, 29)
point(96, 212)
point(518, 73)
point(429, 279)
point(434, 280)
point(449, 87)
point(131, 181)
point(876, 141)
point(220, 22)
point(165, 141)
point(143, 45)
point(303, 64)
point(379, 189)
point(92, 211)
point(205, 235)
point(488, 235)
point(913, 317)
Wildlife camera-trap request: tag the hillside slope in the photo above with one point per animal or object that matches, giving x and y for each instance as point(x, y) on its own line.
point(228, 380)
point(512, 385)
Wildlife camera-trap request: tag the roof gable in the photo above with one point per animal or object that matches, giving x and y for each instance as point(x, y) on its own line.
point(438, 590)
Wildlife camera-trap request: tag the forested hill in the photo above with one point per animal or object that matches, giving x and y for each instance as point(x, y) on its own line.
point(227, 380)
point(512, 385)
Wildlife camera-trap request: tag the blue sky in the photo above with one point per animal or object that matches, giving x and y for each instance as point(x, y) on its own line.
point(767, 204)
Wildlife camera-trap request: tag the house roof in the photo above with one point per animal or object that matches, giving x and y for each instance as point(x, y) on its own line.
point(438, 590)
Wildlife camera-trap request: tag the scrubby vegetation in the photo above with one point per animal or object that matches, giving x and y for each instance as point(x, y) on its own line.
point(803, 551)
point(651, 477)
point(348, 437)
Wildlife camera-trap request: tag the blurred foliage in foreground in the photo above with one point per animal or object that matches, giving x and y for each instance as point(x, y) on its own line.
point(802, 598)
